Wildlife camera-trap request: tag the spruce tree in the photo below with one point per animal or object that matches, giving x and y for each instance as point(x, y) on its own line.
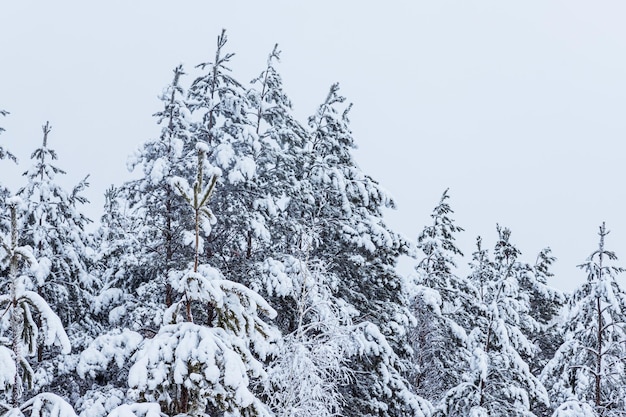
point(546, 304)
point(118, 255)
point(590, 364)
point(278, 160)
point(55, 228)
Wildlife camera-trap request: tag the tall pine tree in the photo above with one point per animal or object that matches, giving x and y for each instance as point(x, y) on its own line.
point(4, 192)
point(157, 212)
point(55, 229)
point(341, 210)
point(590, 365)
point(498, 380)
point(444, 305)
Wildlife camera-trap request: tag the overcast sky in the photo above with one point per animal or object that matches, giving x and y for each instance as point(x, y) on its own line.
point(518, 107)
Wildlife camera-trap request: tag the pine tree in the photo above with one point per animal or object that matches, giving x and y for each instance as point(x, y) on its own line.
point(344, 206)
point(26, 319)
point(54, 227)
point(498, 380)
point(545, 306)
point(117, 256)
point(444, 305)
point(156, 215)
point(226, 126)
point(4, 192)
point(278, 160)
point(5, 154)
point(589, 366)
point(205, 354)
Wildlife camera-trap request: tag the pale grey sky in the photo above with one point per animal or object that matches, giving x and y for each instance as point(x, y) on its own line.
point(518, 107)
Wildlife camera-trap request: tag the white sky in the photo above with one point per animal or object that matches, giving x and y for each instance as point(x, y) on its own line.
point(518, 107)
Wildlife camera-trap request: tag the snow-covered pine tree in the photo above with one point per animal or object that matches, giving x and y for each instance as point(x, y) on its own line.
point(26, 321)
point(206, 353)
point(444, 305)
point(278, 160)
point(343, 207)
point(4, 153)
point(590, 365)
point(498, 381)
point(54, 227)
point(546, 304)
point(140, 241)
point(225, 124)
point(157, 212)
point(4, 192)
point(103, 366)
point(117, 255)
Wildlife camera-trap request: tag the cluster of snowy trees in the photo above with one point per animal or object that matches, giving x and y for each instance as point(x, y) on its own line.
point(247, 271)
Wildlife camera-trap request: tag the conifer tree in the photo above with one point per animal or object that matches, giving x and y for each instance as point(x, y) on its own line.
point(590, 364)
point(26, 319)
point(498, 380)
point(4, 192)
point(118, 255)
point(444, 305)
point(224, 122)
point(545, 304)
point(5, 154)
point(278, 160)
point(54, 227)
point(156, 214)
point(344, 205)
point(206, 353)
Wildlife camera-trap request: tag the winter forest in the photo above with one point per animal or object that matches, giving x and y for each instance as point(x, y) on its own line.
point(246, 269)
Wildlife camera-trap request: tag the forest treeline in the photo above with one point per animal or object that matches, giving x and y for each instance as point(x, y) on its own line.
point(248, 271)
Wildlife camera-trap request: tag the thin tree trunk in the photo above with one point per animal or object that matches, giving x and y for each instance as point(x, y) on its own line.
point(16, 322)
point(599, 355)
point(599, 335)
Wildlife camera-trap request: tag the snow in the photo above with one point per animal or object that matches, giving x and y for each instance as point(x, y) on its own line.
point(574, 408)
point(96, 403)
point(116, 347)
point(137, 410)
point(158, 170)
point(48, 405)
point(225, 155)
point(53, 331)
point(246, 166)
point(17, 202)
point(218, 361)
point(203, 147)
point(7, 368)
